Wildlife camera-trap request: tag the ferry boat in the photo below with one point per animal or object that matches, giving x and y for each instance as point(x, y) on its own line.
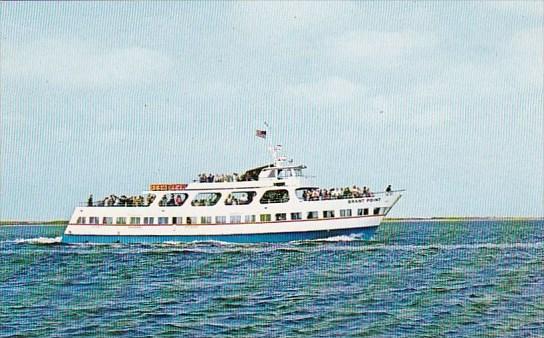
point(272, 203)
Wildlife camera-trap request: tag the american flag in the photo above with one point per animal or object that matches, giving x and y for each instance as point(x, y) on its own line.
point(261, 133)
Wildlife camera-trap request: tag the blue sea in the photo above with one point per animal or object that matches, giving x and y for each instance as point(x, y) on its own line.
point(415, 279)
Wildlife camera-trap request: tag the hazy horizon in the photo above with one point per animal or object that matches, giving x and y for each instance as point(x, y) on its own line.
point(442, 99)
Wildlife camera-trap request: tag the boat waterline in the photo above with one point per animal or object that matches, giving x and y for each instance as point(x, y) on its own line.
point(362, 232)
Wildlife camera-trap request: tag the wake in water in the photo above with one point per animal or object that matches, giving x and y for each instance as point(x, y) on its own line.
point(37, 240)
point(452, 247)
point(363, 245)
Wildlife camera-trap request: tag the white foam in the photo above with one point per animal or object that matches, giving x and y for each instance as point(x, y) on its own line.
point(39, 240)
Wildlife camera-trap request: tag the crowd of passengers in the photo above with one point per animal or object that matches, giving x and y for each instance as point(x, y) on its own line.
point(122, 201)
point(339, 193)
point(173, 200)
point(218, 178)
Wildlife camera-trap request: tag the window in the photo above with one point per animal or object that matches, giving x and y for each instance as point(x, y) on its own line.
point(345, 213)
point(173, 200)
point(359, 212)
point(240, 198)
point(205, 199)
point(385, 211)
point(177, 220)
point(328, 214)
point(281, 217)
point(376, 211)
point(275, 196)
point(284, 173)
point(94, 220)
point(190, 220)
point(163, 220)
point(236, 219)
point(80, 220)
point(365, 212)
point(135, 220)
point(205, 220)
point(149, 220)
point(220, 219)
point(266, 218)
point(249, 218)
point(312, 215)
point(296, 215)
point(107, 220)
point(121, 220)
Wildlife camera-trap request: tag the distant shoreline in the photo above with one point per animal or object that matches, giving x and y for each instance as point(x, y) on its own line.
point(386, 220)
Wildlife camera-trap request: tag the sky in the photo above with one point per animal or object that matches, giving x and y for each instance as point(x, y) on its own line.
point(443, 99)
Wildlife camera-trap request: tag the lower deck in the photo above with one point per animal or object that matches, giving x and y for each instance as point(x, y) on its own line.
point(362, 232)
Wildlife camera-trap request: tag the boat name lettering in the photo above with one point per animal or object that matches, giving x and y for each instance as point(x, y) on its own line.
point(166, 186)
point(365, 200)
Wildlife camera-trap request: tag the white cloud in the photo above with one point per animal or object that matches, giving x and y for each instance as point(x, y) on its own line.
point(77, 64)
point(333, 90)
point(380, 48)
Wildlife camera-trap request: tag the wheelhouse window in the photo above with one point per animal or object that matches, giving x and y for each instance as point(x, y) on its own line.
point(206, 199)
point(328, 214)
point(345, 212)
point(163, 220)
point(220, 219)
point(265, 218)
point(149, 220)
point(312, 215)
point(240, 198)
point(284, 173)
point(135, 220)
point(173, 200)
point(376, 211)
point(236, 219)
point(249, 218)
point(296, 215)
point(107, 220)
point(275, 196)
point(121, 220)
point(281, 217)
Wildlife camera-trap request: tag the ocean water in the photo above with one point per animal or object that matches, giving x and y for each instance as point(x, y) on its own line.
point(420, 279)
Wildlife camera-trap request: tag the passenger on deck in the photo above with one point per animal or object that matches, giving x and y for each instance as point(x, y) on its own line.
point(90, 201)
point(388, 189)
point(171, 201)
point(150, 198)
point(179, 201)
point(163, 201)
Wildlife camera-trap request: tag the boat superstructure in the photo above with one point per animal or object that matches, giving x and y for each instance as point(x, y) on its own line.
point(270, 203)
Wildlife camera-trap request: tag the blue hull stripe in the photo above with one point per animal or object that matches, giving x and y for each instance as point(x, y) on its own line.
point(364, 233)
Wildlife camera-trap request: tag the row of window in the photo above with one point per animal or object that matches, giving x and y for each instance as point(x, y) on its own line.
point(232, 219)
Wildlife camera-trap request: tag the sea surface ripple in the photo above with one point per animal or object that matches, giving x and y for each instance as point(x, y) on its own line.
point(417, 279)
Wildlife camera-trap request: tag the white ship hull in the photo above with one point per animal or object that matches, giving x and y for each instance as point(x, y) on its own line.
point(363, 226)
